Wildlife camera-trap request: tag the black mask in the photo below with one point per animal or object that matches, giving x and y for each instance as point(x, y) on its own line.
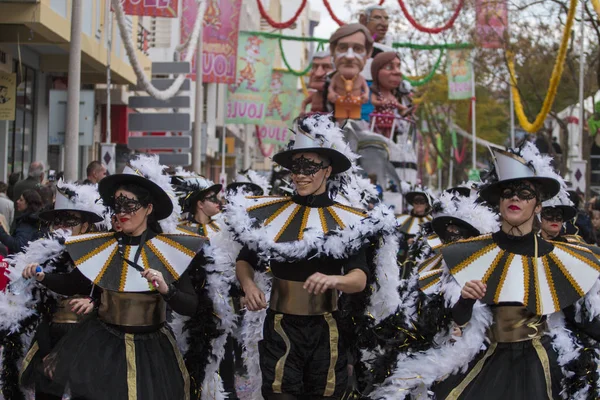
point(522, 190)
point(304, 166)
point(552, 214)
point(65, 219)
point(126, 205)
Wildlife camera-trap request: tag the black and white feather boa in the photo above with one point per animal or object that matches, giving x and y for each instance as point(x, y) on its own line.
point(414, 372)
point(16, 308)
point(220, 272)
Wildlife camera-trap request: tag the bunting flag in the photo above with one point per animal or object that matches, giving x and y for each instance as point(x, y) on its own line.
point(492, 23)
point(248, 97)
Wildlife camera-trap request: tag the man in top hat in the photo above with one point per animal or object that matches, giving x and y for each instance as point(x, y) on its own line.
point(201, 203)
point(303, 352)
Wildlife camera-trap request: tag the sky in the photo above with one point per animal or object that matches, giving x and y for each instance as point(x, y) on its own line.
point(327, 25)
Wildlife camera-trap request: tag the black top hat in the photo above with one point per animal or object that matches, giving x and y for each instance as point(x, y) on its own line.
point(313, 139)
point(513, 168)
point(163, 206)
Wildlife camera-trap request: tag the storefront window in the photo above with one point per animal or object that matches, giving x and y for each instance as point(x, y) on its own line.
point(20, 131)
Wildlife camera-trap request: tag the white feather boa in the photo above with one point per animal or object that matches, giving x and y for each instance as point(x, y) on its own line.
point(415, 371)
point(252, 333)
point(220, 273)
point(15, 308)
point(380, 221)
point(220, 276)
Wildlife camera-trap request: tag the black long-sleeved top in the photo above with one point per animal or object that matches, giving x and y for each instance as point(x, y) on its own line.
point(524, 245)
point(184, 302)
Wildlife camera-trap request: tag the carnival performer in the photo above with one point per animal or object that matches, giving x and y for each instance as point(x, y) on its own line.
point(525, 304)
point(28, 307)
point(455, 218)
point(251, 182)
point(128, 351)
point(201, 203)
point(555, 213)
point(316, 249)
point(409, 224)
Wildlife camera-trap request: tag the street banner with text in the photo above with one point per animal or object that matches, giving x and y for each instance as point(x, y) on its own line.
point(248, 96)
point(460, 73)
point(282, 108)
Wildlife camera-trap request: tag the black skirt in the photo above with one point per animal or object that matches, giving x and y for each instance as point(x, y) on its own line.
point(46, 337)
point(97, 361)
point(518, 371)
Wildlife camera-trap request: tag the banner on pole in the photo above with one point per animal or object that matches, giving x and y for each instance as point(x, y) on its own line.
point(151, 8)
point(8, 96)
point(282, 108)
point(492, 23)
point(248, 97)
point(189, 12)
point(220, 41)
point(460, 72)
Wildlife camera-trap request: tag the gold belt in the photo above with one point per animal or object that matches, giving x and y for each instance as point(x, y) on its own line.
point(132, 309)
point(64, 315)
point(515, 324)
point(290, 297)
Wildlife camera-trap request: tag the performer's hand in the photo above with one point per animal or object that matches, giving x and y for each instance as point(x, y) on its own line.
point(320, 283)
point(82, 306)
point(255, 298)
point(30, 272)
point(156, 279)
point(473, 290)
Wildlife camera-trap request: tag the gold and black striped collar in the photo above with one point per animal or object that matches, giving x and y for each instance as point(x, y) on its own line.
point(192, 227)
point(553, 281)
point(284, 220)
point(97, 256)
point(411, 225)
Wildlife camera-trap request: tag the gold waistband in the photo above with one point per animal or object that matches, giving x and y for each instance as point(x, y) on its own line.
point(132, 309)
point(63, 313)
point(290, 297)
point(515, 324)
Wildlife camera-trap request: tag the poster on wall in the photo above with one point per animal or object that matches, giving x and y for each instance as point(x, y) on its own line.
point(248, 97)
point(151, 8)
point(460, 74)
point(8, 96)
point(492, 23)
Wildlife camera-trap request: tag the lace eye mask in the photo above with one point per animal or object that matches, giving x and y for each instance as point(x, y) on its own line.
point(304, 166)
point(521, 190)
point(126, 205)
point(65, 219)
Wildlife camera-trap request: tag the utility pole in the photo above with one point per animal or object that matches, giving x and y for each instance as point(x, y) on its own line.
point(73, 92)
point(199, 104)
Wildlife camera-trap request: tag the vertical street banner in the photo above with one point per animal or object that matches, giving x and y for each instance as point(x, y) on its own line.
point(220, 41)
point(282, 108)
point(151, 8)
point(8, 96)
point(248, 97)
point(189, 12)
point(492, 23)
point(460, 73)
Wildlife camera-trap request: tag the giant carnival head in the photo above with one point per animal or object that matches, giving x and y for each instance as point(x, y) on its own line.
point(350, 47)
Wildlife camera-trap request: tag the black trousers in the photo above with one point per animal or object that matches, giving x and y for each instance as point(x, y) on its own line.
point(303, 356)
